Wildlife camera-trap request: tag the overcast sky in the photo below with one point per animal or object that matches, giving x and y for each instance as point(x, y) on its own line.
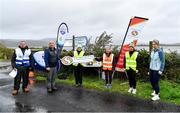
point(37, 19)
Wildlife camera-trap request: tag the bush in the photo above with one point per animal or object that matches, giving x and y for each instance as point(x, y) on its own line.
point(172, 65)
point(5, 53)
point(171, 71)
point(143, 63)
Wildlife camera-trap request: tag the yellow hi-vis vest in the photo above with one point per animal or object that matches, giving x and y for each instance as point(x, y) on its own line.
point(76, 55)
point(107, 62)
point(131, 61)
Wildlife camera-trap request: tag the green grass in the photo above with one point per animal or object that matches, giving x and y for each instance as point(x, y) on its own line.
point(170, 92)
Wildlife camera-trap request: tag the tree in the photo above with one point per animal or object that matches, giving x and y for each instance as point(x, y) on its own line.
point(100, 42)
point(103, 40)
point(2, 45)
point(5, 53)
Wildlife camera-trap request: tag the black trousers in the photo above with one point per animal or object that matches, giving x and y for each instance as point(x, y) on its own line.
point(22, 72)
point(132, 78)
point(154, 78)
point(78, 74)
point(108, 76)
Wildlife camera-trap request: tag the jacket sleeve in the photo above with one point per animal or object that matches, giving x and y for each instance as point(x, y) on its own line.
point(31, 61)
point(46, 56)
point(138, 61)
point(162, 59)
point(99, 58)
point(150, 60)
point(13, 59)
point(114, 63)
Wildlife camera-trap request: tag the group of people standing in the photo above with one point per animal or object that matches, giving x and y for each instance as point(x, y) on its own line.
point(23, 63)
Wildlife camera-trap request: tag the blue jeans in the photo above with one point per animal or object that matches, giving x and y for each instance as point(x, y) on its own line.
point(154, 78)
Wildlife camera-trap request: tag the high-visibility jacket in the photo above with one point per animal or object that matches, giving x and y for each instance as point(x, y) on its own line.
point(22, 59)
point(107, 62)
point(131, 61)
point(76, 55)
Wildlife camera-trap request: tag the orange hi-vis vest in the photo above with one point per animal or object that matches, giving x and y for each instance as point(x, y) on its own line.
point(107, 62)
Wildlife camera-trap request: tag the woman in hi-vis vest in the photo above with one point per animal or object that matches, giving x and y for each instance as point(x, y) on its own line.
point(108, 65)
point(78, 67)
point(131, 61)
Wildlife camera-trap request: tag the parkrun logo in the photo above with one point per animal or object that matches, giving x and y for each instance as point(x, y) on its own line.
point(134, 33)
point(63, 31)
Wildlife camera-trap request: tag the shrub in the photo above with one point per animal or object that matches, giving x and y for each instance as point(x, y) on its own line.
point(5, 53)
point(171, 71)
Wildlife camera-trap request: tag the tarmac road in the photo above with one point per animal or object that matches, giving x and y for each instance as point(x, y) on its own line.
point(69, 99)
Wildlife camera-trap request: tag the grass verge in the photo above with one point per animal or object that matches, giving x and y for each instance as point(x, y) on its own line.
point(170, 91)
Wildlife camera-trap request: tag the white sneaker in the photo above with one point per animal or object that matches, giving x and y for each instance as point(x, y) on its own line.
point(134, 91)
point(109, 86)
point(156, 97)
point(130, 90)
point(106, 86)
point(153, 93)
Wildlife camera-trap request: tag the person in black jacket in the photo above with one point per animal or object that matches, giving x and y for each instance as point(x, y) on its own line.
point(51, 61)
point(23, 63)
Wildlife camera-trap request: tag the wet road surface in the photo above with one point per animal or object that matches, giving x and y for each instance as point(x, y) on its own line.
point(70, 99)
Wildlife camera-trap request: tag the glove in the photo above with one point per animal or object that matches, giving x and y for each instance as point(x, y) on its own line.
point(48, 68)
point(137, 71)
point(160, 72)
point(123, 70)
point(148, 73)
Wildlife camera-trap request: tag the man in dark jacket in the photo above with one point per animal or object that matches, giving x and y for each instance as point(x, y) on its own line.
point(51, 61)
point(22, 62)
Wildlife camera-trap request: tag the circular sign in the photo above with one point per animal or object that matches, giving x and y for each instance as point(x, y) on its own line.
point(134, 33)
point(63, 28)
point(67, 60)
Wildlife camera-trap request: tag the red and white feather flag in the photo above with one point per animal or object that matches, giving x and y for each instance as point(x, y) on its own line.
point(132, 35)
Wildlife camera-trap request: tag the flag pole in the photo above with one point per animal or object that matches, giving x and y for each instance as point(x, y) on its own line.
point(125, 36)
point(140, 17)
point(58, 36)
point(124, 40)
